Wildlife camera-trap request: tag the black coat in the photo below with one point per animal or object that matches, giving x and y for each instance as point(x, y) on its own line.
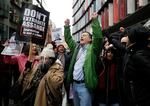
point(137, 77)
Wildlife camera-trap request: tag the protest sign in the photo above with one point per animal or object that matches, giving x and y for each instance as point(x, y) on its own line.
point(57, 35)
point(33, 24)
point(12, 47)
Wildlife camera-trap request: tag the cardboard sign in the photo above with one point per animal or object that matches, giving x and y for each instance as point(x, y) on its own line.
point(57, 35)
point(33, 24)
point(12, 47)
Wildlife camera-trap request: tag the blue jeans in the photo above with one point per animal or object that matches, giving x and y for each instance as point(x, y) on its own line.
point(82, 96)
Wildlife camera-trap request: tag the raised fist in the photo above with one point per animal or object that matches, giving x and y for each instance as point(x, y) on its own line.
point(67, 22)
point(94, 15)
point(122, 29)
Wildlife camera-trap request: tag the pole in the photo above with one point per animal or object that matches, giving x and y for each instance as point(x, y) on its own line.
point(40, 3)
point(30, 51)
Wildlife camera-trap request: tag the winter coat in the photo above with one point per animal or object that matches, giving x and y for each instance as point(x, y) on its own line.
point(5, 77)
point(137, 77)
point(90, 77)
point(20, 59)
point(49, 91)
point(67, 62)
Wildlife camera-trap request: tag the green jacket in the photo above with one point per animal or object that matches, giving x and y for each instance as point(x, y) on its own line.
point(90, 76)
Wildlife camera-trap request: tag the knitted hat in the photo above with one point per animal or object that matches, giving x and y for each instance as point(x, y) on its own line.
point(48, 51)
point(138, 34)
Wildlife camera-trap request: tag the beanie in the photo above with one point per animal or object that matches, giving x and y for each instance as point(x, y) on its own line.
point(138, 34)
point(48, 51)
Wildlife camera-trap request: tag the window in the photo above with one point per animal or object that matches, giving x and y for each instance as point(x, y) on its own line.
point(3, 32)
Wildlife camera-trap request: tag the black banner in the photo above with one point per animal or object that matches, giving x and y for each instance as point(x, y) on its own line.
point(33, 24)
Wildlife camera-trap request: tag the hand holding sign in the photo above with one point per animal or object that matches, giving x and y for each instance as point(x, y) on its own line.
point(34, 24)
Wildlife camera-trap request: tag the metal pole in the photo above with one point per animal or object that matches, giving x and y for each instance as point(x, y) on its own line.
point(40, 3)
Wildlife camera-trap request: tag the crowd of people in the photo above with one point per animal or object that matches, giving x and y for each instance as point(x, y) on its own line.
point(101, 69)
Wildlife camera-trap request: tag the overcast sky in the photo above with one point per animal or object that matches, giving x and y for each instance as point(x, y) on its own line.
point(59, 10)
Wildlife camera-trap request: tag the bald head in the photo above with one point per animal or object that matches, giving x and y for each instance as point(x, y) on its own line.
point(124, 40)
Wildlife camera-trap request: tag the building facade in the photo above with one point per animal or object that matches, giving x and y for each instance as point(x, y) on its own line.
point(10, 11)
point(112, 14)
